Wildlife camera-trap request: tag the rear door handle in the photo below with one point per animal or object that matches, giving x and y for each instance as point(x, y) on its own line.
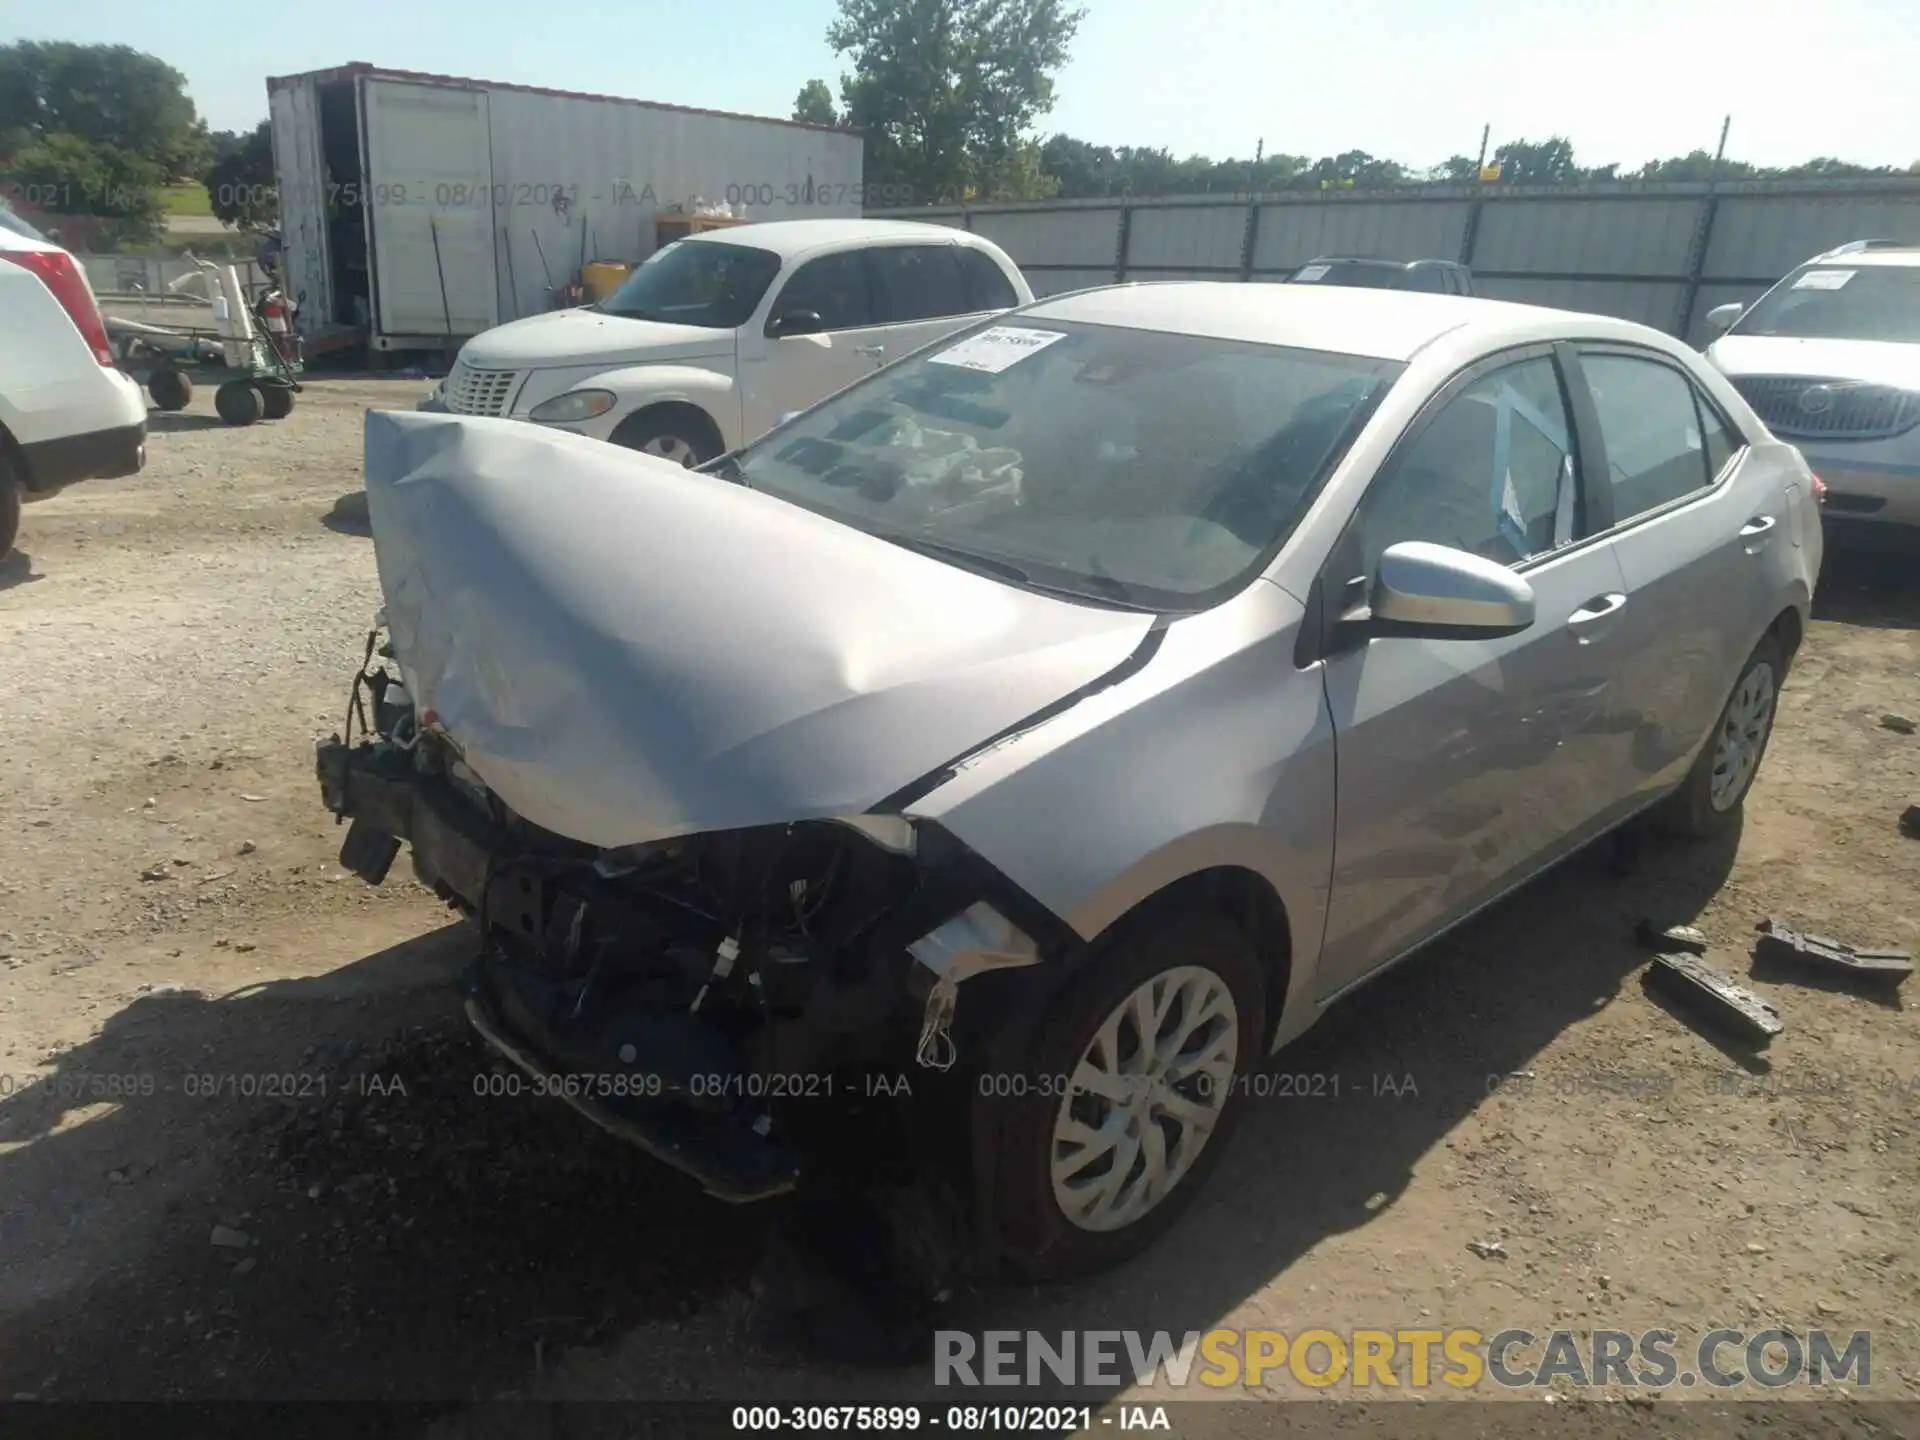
point(1756, 532)
point(1592, 618)
point(876, 351)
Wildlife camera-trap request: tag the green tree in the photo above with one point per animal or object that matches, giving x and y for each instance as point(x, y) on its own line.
point(107, 95)
point(1537, 162)
point(95, 196)
point(1695, 165)
point(814, 104)
point(240, 185)
point(947, 91)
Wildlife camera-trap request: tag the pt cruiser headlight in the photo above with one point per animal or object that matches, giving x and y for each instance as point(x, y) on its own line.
point(574, 405)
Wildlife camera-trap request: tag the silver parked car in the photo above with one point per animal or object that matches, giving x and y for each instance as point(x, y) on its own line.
point(1059, 720)
point(1830, 359)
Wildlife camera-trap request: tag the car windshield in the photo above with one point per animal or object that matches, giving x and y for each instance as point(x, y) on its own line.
point(696, 282)
point(1835, 302)
point(1126, 466)
point(11, 221)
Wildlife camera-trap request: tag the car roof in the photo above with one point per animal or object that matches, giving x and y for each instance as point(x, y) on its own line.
point(1885, 255)
point(1375, 260)
point(788, 238)
point(1382, 324)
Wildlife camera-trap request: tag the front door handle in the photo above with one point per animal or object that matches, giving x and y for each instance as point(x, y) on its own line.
point(1594, 617)
point(1756, 532)
point(876, 351)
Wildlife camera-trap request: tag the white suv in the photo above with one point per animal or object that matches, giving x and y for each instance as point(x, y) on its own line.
point(716, 337)
point(66, 412)
point(1830, 359)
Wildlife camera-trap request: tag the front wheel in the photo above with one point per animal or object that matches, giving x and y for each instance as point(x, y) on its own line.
point(1137, 1069)
point(669, 437)
point(239, 402)
point(1710, 800)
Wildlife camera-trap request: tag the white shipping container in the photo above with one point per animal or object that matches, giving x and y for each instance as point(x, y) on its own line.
point(422, 209)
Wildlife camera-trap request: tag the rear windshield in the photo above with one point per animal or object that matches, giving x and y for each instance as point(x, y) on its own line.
point(1129, 466)
point(696, 282)
point(1351, 272)
point(1834, 302)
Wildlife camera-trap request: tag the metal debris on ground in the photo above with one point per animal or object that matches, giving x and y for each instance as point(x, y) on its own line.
point(1777, 942)
point(1488, 1249)
point(1692, 980)
point(1674, 940)
point(1900, 724)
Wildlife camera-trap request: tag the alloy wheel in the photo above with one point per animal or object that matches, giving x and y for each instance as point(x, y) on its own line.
point(1742, 736)
point(1144, 1098)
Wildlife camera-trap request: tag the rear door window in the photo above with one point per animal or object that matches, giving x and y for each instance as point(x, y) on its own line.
point(919, 282)
point(987, 285)
point(1651, 424)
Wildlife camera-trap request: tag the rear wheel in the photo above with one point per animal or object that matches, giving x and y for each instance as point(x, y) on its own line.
point(1130, 1095)
point(240, 402)
point(170, 388)
point(276, 401)
point(9, 507)
point(1710, 800)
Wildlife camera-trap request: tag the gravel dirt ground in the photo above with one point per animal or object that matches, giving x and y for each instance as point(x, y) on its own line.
point(242, 1153)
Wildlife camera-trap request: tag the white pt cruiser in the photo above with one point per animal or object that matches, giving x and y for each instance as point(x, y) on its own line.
point(716, 337)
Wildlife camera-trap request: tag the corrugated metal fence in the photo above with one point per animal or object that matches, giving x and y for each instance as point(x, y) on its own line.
point(1662, 254)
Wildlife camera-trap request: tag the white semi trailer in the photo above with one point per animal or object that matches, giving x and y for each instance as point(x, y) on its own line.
point(417, 210)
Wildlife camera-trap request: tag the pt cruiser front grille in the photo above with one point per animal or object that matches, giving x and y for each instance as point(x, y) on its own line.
point(479, 392)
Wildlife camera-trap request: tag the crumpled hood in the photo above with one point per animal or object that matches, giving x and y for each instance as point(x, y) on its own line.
point(1880, 362)
point(624, 650)
point(586, 337)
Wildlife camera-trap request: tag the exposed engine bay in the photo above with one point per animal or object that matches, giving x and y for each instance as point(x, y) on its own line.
point(698, 995)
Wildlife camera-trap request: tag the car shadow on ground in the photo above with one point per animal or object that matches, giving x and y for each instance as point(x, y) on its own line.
point(1878, 587)
point(16, 568)
point(412, 1234)
point(319, 1189)
point(349, 515)
point(162, 422)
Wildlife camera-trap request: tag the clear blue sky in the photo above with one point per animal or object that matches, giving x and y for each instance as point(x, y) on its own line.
point(1414, 80)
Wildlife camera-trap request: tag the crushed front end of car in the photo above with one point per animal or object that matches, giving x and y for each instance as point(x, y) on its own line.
point(693, 995)
point(702, 925)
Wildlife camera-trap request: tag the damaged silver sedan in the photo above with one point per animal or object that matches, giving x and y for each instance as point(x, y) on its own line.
point(1053, 724)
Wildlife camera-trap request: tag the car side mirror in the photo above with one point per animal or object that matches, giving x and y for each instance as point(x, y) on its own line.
point(795, 322)
point(1434, 592)
point(1720, 319)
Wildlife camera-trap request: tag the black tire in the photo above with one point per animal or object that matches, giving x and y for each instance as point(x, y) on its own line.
point(170, 388)
point(10, 493)
point(240, 402)
point(1033, 1233)
point(277, 401)
point(1690, 811)
point(672, 435)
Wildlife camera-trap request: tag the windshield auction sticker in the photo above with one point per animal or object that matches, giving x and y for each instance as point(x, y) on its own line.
point(1823, 279)
point(997, 347)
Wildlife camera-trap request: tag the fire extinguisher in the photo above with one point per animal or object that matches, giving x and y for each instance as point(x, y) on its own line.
point(276, 315)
